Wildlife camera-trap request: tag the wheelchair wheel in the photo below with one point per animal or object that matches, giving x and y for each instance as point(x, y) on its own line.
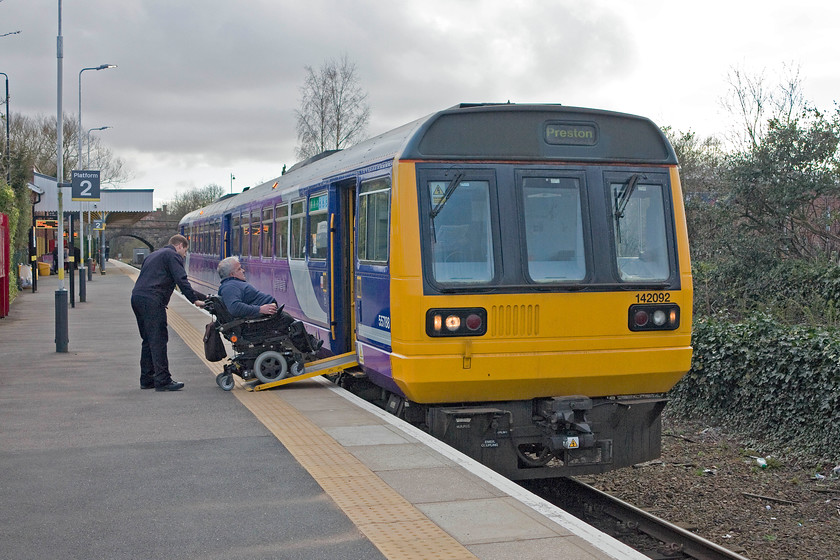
point(225, 381)
point(297, 369)
point(270, 366)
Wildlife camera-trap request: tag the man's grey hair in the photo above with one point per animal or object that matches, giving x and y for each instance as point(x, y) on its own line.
point(226, 267)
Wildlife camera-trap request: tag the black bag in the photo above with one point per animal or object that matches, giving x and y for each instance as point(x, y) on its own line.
point(214, 348)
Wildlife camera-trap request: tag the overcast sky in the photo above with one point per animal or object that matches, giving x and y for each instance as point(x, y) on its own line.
point(208, 88)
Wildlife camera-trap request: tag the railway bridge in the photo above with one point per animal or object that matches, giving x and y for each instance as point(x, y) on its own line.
point(153, 231)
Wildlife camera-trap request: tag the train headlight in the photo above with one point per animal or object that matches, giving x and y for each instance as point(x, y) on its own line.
point(468, 321)
point(654, 317)
point(453, 323)
point(659, 317)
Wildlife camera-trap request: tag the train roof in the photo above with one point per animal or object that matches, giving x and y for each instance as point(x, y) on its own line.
point(473, 132)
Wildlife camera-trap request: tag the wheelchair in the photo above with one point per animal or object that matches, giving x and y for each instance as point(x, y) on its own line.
point(266, 348)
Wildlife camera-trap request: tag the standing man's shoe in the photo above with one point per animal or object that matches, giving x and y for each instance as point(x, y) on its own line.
point(173, 386)
point(147, 385)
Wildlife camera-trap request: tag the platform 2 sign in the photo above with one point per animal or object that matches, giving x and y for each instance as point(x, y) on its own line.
point(84, 185)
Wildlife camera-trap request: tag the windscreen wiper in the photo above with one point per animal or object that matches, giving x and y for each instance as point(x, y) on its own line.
point(622, 198)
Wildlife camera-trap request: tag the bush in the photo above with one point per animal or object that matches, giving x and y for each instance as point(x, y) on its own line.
point(768, 380)
point(792, 291)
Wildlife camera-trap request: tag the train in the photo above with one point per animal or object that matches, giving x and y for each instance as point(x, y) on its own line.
point(513, 278)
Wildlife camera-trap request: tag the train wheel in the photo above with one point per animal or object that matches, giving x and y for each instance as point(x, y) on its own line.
point(270, 366)
point(225, 381)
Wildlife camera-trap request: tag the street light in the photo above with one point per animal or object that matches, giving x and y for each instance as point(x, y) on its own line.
point(81, 220)
point(100, 67)
point(88, 141)
point(8, 152)
point(90, 244)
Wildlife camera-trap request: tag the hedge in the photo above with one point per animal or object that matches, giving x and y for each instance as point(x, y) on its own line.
point(767, 380)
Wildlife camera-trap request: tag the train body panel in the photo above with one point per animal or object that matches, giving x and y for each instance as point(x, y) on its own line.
point(525, 267)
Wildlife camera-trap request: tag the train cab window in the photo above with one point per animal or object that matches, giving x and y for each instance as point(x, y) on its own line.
point(235, 236)
point(553, 229)
point(297, 231)
point(267, 231)
point(639, 230)
point(281, 249)
point(318, 227)
point(374, 202)
point(462, 239)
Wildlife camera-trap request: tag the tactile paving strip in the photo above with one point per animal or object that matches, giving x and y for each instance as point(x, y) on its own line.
point(398, 529)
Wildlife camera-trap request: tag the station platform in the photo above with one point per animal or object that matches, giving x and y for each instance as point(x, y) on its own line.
point(91, 466)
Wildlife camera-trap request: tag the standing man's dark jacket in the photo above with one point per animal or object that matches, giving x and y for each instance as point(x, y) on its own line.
point(161, 271)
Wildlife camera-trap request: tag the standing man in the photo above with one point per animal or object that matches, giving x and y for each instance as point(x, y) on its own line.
point(161, 271)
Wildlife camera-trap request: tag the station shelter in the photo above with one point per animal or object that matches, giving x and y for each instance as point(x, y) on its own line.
point(115, 208)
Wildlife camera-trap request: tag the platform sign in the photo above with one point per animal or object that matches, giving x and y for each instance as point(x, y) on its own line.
point(98, 225)
point(85, 185)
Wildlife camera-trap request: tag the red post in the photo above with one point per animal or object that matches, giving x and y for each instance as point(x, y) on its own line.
point(4, 265)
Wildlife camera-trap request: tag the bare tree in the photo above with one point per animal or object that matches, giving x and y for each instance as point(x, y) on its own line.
point(33, 144)
point(193, 199)
point(333, 111)
point(754, 103)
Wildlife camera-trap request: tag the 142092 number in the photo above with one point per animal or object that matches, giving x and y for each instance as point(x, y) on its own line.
point(653, 297)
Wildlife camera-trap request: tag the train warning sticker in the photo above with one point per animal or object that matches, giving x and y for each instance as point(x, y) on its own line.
point(437, 189)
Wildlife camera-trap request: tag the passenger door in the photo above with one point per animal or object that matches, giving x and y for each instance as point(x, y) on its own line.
point(371, 268)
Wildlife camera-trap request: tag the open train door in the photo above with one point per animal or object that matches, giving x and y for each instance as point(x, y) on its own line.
point(341, 230)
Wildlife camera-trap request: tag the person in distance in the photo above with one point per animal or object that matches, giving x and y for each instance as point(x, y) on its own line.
point(162, 270)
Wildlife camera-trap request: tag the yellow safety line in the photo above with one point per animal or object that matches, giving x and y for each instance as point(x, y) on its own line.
point(398, 529)
point(394, 526)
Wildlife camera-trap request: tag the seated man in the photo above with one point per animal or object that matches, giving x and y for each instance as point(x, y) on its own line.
point(241, 298)
point(243, 301)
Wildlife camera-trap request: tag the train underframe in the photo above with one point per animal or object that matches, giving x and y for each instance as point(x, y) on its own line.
point(536, 438)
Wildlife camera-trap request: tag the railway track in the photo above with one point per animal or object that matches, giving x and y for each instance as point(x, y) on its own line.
point(650, 535)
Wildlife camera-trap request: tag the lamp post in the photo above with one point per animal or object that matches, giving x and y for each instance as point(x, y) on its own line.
point(90, 248)
point(61, 335)
point(81, 220)
point(8, 145)
point(87, 164)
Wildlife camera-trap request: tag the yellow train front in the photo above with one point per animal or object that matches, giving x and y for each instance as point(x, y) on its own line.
point(513, 278)
point(540, 286)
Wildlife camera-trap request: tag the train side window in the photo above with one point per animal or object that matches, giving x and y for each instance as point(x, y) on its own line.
point(217, 237)
point(235, 236)
point(297, 233)
point(281, 249)
point(246, 234)
point(256, 228)
point(639, 230)
point(267, 231)
point(318, 227)
point(462, 240)
point(374, 206)
point(553, 229)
